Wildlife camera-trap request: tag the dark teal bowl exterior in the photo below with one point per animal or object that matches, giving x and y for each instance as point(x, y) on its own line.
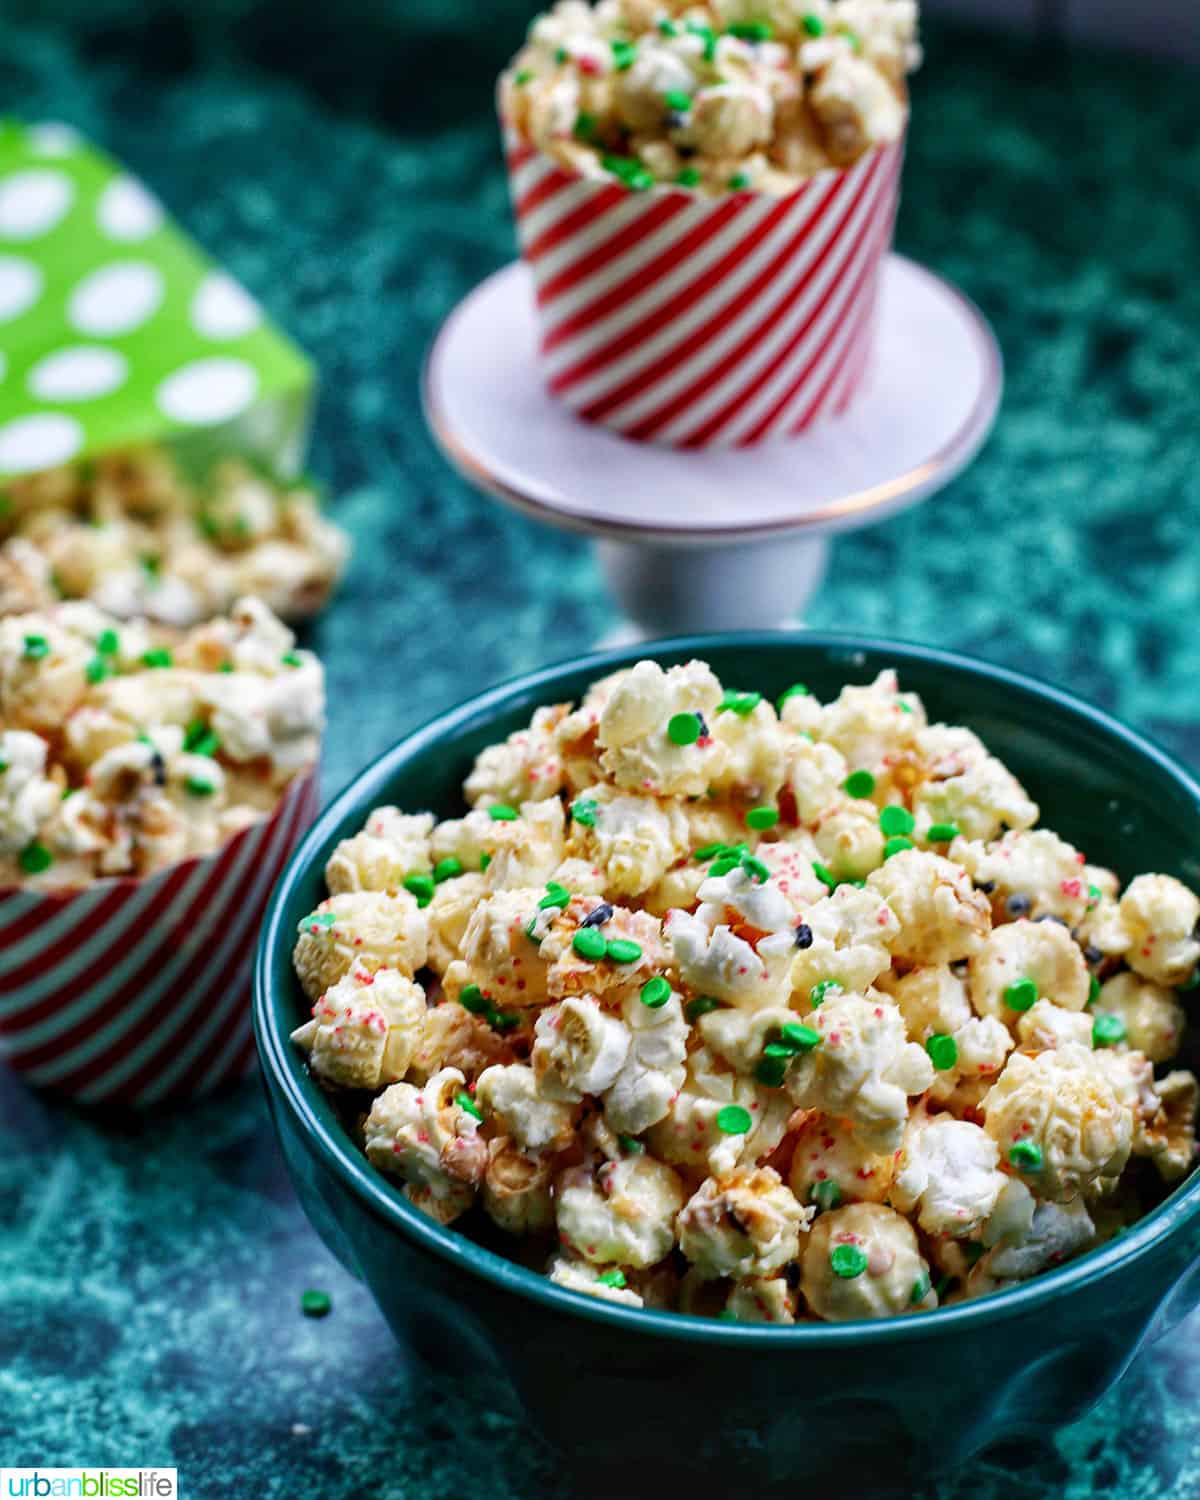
point(639, 1398)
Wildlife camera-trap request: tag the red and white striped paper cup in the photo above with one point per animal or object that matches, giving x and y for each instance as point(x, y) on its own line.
point(137, 992)
point(701, 322)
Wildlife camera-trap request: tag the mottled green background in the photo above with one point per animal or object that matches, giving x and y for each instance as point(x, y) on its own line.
point(341, 160)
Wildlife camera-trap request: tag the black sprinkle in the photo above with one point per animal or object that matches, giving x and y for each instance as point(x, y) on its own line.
point(1093, 954)
point(986, 886)
point(1018, 906)
point(804, 936)
point(703, 726)
point(159, 767)
point(598, 916)
point(1048, 916)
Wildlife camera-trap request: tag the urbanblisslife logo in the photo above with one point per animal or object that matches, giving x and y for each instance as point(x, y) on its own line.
point(89, 1484)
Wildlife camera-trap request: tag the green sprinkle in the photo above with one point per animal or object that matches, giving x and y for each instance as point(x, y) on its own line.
point(824, 875)
point(742, 704)
point(630, 1145)
point(677, 100)
point(583, 811)
point(708, 36)
point(629, 171)
point(797, 690)
point(859, 784)
point(723, 866)
point(683, 729)
point(472, 998)
point(36, 647)
point(226, 666)
point(895, 819)
point(526, 75)
point(621, 950)
point(158, 657)
point(420, 886)
point(734, 1120)
point(755, 868)
point(1021, 994)
point(668, 28)
point(825, 1194)
point(771, 1071)
point(503, 1020)
point(531, 931)
point(819, 991)
point(502, 813)
point(585, 126)
point(920, 1289)
point(656, 992)
point(942, 833)
point(943, 1051)
point(291, 659)
point(315, 1304)
point(35, 858)
point(198, 787)
point(750, 31)
point(97, 669)
point(151, 564)
point(896, 845)
point(4, 764)
point(798, 1038)
point(484, 861)
point(108, 643)
point(319, 919)
point(555, 896)
point(447, 869)
point(739, 182)
point(854, 39)
point(1108, 1030)
point(709, 851)
point(762, 818)
point(624, 54)
point(561, 54)
point(848, 1261)
point(1026, 1156)
point(590, 943)
point(689, 177)
point(777, 1049)
point(1093, 989)
point(612, 1278)
point(814, 25)
point(467, 1104)
point(701, 1006)
point(1095, 896)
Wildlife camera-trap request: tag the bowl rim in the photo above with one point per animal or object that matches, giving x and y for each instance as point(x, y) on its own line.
point(285, 1074)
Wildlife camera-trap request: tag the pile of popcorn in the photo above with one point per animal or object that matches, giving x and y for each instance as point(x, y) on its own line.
point(126, 747)
point(764, 1012)
point(131, 534)
point(730, 95)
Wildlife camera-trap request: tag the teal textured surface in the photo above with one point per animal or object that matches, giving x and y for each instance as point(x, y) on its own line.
point(150, 1276)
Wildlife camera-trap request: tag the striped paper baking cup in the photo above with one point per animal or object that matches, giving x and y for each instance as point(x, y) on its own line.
point(137, 992)
point(698, 322)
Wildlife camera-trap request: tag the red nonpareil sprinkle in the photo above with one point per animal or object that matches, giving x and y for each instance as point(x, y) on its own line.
point(423, 1137)
point(587, 65)
point(1071, 888)
point(1082, 858)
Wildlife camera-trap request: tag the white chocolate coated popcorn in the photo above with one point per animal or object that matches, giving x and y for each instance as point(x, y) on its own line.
point(669, 1026)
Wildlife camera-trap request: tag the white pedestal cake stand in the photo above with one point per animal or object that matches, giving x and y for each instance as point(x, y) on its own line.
point(715, 538)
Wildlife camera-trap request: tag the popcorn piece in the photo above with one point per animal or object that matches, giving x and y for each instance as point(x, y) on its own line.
point(580, 1276)
point(756, 751)
point(967, 788)
point(1047, 1025)
point(1058, 1121)
point(851, 930)
point(364, 1029)
point(830, 1165)
point(1169, 1136)
point(719, 1120)
point(849, 840)
point(1161, 916)
point(863, 1069)
point(500, 955)
point(715, 962)
point(1032, 873)
point(654, 1068)
point(863, 1262)
point(655, 730)
point(632, 840)
point(527, 767)
point(874, 725)
point(526, 851)
point(948, 1175)
point(1023, 961)
point(28, 797)
point(391, 847)
point(516, 1187)
point(623, 1215)
point(534, 1122)
point(597, 948)
point(427, 1138)
point(816, 773)
point(942, 918)
point(745, 1225)
point(452, 1037)
point(765, 1300)
point(1058, 1231)
point(579, 1050)
point(369, 930)
point(449, 914)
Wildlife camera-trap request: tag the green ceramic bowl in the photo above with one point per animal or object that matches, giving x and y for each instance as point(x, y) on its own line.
point(640, 1398)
